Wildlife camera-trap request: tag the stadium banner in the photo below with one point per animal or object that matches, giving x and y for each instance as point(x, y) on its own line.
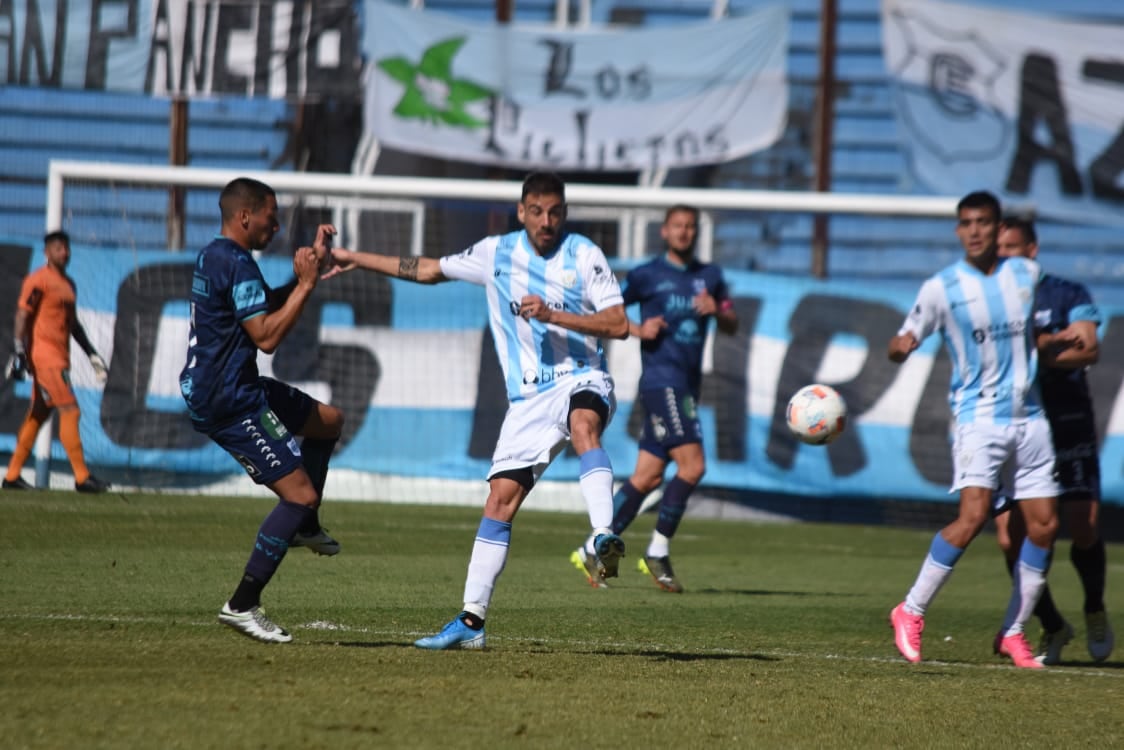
point(414, 371)
point(264, 48)
point(1026, 105)
point(587, 100)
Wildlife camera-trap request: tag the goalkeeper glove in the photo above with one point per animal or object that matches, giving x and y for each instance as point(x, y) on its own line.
point(101, 369)
point(17, 366)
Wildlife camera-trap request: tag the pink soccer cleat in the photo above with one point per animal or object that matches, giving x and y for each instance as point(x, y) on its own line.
point(907, 632)
point(1016, 647)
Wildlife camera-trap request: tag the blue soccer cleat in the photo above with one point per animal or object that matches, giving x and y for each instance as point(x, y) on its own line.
point(454, 635)
point(610, 550)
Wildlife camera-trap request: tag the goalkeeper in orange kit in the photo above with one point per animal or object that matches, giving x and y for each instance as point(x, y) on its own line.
point(46, 318)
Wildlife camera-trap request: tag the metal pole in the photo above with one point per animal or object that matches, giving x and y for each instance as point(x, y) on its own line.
point(497, 219)
point(824, 126)
point(177, 157)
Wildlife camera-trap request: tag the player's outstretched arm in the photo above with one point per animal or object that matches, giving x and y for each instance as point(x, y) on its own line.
point(268, 330)
point(412, 268)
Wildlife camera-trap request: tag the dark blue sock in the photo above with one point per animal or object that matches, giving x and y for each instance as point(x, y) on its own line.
point(1090, 564)
point(673, 505)
point(269, 550)
point(626, 504)
point(315, 454)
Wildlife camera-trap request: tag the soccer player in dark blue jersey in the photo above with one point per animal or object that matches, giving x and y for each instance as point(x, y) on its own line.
point(1065, 320)
point(234, 315)
point(677, 295)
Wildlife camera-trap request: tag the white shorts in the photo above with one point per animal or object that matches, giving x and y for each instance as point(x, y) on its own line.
point(1018, 456)
point(535, 430)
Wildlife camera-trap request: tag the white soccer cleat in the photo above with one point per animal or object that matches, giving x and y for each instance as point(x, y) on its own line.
point(254, 623)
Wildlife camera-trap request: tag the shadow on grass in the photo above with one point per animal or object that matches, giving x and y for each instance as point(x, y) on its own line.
point(766, 592)
point(684, 656)
point(366, 644)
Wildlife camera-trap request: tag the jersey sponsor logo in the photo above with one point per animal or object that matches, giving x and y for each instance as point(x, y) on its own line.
point(200, 285)
point(248, 294)
point(999, 331)
point(687, 332)
point(248, 465)
point(532, 376)
point(273, 425)
point(678, 303)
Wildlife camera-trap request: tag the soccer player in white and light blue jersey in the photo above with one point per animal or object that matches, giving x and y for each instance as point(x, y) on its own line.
point(552, 297)
point(982, 307)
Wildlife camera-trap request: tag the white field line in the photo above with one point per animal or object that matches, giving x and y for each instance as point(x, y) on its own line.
point(409, 636)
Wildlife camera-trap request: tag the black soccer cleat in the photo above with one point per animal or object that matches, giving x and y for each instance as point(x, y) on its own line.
point(92, 485)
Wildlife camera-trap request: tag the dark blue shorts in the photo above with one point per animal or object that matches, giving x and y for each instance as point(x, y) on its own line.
point(671, 420)
point(263, 441)
point(1078, 466)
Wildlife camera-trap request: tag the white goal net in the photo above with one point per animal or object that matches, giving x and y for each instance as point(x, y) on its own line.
point(413, 367)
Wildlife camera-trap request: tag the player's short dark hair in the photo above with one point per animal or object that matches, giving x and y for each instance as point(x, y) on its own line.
point(243, 192)
point(543, 183)
point(1023, 224)
point(56, 236)
point(681, 208)
point(979, 199)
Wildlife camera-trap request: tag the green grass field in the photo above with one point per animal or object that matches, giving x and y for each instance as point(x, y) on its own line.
point(108, 638)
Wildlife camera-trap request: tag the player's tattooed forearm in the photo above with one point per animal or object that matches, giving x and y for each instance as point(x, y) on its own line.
point(408, 269)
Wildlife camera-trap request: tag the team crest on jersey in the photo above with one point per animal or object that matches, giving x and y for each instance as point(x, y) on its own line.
point(569, 278)
point(1042, 318)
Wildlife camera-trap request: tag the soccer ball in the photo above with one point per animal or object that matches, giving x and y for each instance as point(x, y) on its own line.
point(816, 414)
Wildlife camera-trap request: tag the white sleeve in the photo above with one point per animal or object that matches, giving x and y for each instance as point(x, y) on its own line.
point(926, 315)
point(600, 281)
point(473, 264)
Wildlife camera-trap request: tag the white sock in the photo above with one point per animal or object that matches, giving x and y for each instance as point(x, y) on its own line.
point(596, 484)
point(489, 555)
point(929, 581)
point(659, 546)
point(1026, 588)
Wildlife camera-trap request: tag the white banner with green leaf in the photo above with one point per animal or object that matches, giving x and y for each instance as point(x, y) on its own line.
point(545, 97)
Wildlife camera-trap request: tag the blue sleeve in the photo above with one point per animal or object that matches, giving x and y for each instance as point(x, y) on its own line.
point(1082, 307)
point(247, 289)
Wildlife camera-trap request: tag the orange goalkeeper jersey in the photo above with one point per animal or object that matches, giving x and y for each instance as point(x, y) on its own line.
point(49, 298)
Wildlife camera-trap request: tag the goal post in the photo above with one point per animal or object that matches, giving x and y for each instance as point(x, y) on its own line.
point(413, 367)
